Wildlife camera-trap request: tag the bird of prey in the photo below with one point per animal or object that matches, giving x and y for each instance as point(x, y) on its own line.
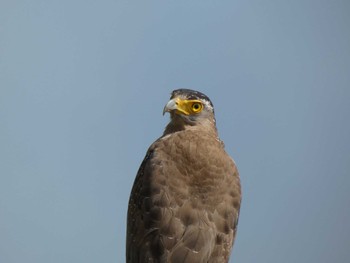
point(185, 201)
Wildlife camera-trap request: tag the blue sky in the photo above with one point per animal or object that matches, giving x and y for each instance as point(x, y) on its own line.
point(82, 88)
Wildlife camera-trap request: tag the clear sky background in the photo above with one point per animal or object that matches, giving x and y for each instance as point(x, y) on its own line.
point(82, 89)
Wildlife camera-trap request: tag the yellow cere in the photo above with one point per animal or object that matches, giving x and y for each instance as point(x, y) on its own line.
point(188, 107)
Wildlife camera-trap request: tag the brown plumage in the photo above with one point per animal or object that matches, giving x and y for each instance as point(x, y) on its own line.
point(185, 201)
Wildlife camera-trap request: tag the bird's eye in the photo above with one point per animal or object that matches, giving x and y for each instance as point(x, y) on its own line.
point(197, 107)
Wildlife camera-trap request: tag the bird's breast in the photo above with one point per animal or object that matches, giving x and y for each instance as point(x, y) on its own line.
point(192, 166)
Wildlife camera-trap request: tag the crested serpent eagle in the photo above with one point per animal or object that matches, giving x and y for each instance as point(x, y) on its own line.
point(185, 201)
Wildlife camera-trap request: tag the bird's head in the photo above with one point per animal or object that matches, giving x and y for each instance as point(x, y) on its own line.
point(189, 108)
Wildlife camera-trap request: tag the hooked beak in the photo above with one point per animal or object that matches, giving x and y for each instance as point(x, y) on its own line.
point(179, 106)
point(170, 106)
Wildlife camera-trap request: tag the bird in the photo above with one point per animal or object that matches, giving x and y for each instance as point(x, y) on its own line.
point(185, 201)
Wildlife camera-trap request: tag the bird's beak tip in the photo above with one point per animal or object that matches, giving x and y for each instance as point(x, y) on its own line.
point(171, 105)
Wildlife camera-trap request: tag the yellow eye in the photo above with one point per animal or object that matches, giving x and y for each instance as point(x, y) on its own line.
point(196, 107)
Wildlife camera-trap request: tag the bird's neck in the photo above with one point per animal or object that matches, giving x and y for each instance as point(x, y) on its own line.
point(176, 125)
